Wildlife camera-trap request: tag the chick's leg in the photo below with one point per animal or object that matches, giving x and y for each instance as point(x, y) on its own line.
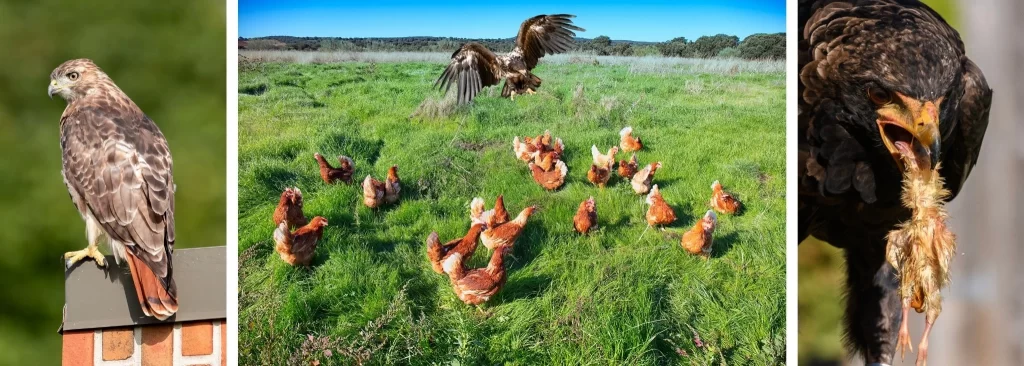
point(93, 232)
point(922, 348)
point(903, 338)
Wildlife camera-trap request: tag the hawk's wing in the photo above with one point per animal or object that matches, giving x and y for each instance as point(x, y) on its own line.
point(118, 167)
point(966, 137)
point(545, 35)
point(472, 68)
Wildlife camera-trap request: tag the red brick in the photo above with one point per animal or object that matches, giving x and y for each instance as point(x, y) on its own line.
point(157, 342)
point(224, 342)
point(118, 344)
point(197, 338)
point(77, 348)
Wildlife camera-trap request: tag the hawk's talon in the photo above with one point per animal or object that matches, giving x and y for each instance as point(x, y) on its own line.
point(89, 252)
point(530, 91)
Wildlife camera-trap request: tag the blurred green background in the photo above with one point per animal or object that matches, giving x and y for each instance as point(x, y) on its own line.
point(170, 58)
point(822, 275)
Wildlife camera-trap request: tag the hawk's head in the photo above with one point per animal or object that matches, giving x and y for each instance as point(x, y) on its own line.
point(75, 79)
point(891, 75)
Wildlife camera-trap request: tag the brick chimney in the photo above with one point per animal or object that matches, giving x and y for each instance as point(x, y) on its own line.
point(104, 325)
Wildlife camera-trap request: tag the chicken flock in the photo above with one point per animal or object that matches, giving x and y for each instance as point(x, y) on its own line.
point(296, 237)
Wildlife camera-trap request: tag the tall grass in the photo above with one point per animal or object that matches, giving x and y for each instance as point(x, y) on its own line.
point(648, 64)
point(623, 295)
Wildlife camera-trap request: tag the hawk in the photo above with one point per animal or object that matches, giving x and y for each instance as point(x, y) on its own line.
point(474, 67)
point(876, 75)
point(117, 169)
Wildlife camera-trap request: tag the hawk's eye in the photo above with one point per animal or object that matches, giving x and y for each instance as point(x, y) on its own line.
point(879, 96)
point(73, 76)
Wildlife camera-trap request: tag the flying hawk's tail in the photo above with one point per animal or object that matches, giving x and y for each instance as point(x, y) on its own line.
point(158, 297)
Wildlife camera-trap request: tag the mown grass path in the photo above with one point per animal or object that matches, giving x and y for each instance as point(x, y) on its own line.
point(618, 296)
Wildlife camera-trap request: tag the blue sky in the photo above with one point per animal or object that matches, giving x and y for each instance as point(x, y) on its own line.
point(638, 21)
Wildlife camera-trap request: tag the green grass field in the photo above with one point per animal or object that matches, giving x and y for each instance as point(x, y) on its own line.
point(619, 296)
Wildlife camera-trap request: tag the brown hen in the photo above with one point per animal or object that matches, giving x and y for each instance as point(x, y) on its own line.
point(297, 248)
point(598, 175)
point(549, 180)
point(641, 181)
point(507, 233)
point(442, 255)
point(698, 239)
point(289, 208)
point(628, 142)
point(722, 201)
point(476, 286)
point(586, 216)
point(660, 213)
point(330, 174)
point(628, 168)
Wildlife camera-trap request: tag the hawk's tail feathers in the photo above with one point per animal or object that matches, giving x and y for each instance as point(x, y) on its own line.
point(157, 298)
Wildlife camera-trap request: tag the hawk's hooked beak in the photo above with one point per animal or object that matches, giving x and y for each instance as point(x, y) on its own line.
point(914, 123)
point(52, 89)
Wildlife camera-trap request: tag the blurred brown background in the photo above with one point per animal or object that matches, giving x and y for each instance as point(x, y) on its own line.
point(981, 321)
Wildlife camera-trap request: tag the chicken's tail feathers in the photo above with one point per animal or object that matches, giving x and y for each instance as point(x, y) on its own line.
point(158, 297)
point(626, 131)
point(562, 168)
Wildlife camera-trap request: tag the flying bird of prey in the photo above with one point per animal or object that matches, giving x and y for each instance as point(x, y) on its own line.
point(878, 77)
point(474, 67)
point(117, 168)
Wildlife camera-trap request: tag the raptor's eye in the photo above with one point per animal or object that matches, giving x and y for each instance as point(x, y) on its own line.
point(879, 96)
point(73, 76)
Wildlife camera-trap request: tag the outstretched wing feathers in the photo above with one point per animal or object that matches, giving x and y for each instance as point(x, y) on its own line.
point(472, 68)
point(544, 35)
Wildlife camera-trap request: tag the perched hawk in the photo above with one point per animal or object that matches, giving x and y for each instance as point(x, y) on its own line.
point(474, 67)
point(875, 75)
point(117, 168)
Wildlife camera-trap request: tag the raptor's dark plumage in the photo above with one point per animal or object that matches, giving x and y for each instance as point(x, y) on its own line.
point(874, 73)
point(474, 67)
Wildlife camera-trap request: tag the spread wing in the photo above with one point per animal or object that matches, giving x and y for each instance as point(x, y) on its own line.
point(545, 35)
point(965, 139)
point(472, 68)
point(118, 169)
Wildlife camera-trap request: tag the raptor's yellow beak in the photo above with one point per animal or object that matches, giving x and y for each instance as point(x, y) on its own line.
point(913, 123)
point(52, 89)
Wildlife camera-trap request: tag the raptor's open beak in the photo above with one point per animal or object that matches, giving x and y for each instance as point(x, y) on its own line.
point(52, 89)
point(915, 124)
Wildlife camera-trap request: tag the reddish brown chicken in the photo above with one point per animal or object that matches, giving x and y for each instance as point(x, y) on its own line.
point(549, 180)
point(507, 233)
point(628, 168)
point(289, 208)
point(330, 174)
point(373, 192)
point(524, 150)
point(598, 175)
point(546, 161)
point(628, 142)
point(476, 286)
point(660, 213)
point(442, 255)
point(586, 216)
point(641, 181)
point(604, 160)
point(722, 201)
point(698, 239)
point(493, 217)
point(391, 185)
point(297, 248)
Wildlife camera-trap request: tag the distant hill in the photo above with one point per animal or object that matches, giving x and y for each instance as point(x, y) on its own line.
point(756, 46)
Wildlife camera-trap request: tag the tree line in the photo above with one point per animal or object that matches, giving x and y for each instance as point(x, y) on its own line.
point(755, 46)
